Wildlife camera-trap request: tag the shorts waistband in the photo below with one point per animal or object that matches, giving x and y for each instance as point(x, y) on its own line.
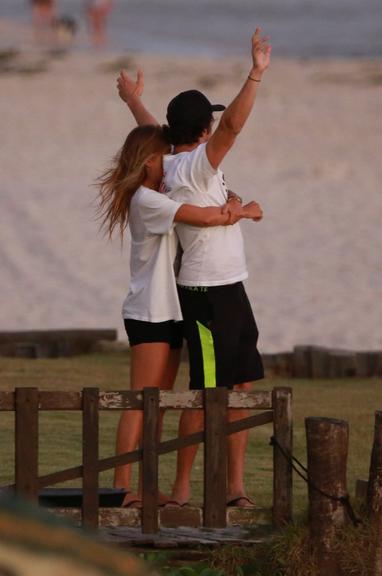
point(204, 289)
point(194, 288)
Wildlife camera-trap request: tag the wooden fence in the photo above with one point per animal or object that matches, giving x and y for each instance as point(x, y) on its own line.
point(274, 406)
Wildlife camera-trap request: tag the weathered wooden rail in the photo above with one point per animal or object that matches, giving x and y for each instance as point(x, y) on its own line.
point(275, 407)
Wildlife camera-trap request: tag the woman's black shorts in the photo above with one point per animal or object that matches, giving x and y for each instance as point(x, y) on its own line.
point(140, 332)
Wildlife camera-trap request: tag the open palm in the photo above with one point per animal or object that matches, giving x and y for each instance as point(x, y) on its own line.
point(261, 51)
point(129, 88)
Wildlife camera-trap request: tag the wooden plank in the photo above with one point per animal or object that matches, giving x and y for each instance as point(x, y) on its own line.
point(215, 458)
point(127, 400)
point(190, 516)
point(60, 400)
point(150, 460)
point(26, 443)
point(90, 444)
point(52, 343)
point(282, 468)
point(121, 400)
point(320, 358)
point(342, 364)
point(183, 400)
point(302, 362)
point(327, 446)
point(163, 448)
point(250, 422)
point(60, 476)
point(119, 460)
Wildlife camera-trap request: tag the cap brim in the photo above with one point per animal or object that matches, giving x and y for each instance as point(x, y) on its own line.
point(217, 107)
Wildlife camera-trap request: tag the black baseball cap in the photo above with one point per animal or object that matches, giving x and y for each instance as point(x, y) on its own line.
point(189, 107)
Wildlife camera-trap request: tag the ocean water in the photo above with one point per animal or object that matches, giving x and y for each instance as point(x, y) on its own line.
point(302, 28)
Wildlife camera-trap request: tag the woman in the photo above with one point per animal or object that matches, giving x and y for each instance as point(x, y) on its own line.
point(130, 195)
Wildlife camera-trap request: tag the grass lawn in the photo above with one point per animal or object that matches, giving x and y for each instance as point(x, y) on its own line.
point(353, 400)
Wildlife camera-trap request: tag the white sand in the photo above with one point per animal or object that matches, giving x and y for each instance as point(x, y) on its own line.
point(311, 155)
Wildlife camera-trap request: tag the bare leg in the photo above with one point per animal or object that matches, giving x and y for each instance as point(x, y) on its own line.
point(167, 384)
point(190, 421)
point(237, 445)
point(149, 365)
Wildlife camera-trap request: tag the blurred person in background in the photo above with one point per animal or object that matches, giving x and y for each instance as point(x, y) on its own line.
point(97, 13)
point(43, 17)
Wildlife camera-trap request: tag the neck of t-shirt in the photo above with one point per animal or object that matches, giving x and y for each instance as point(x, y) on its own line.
point(185, 147)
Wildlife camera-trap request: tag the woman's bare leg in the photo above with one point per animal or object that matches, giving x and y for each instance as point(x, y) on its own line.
point(148, 367)
point(152, 365)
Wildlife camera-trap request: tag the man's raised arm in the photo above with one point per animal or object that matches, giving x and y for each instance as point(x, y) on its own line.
point(130, 92)
point(237, 113)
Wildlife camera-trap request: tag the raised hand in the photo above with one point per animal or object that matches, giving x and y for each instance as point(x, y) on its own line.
point(261, 51)
point(128, 88)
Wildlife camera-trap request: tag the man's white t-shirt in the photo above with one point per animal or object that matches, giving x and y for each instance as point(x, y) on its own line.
point(152, 295)
point(211, 256)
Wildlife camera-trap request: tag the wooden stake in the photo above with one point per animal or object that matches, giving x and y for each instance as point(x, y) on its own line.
point(327, 444)
point(90, 442)
point(150, 461)
point(215, 458)
point(282, 468)
point(26, 442)
point(374, 494)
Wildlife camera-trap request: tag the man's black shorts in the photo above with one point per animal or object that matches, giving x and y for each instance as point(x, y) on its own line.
point(221, 334)
point(141, 332)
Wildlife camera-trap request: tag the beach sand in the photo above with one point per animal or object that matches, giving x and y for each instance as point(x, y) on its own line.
point(310, 155)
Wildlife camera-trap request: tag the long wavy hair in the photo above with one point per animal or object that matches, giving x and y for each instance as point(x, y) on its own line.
point(119, 183)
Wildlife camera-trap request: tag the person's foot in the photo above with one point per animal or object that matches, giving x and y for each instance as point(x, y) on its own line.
point(135, 500)
point(163, 499)
point(181, 496)
point(240, 501)
point(132, 501)
point(175, 504)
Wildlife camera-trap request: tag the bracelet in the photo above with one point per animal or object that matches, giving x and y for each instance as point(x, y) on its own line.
point(253, 79)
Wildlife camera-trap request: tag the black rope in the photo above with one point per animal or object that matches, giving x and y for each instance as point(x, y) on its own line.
point(296, 464)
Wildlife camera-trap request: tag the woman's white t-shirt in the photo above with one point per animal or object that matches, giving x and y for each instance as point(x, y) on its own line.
point(152, 295)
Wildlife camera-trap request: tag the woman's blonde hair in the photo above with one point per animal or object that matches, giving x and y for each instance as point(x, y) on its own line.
point(119, 183)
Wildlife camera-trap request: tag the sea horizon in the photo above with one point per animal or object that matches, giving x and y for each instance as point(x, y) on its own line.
point(298, 28)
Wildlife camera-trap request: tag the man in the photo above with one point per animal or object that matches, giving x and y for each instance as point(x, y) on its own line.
point(219, 325)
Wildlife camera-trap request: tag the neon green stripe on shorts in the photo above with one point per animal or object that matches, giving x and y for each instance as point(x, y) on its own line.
point(208, 353)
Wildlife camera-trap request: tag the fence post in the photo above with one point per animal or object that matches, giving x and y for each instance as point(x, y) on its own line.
point(150, 460)
point(26, 443)
point(282, 468)
point(327, 445)
point(90, 433)
point(215, 457)
point(374, 493)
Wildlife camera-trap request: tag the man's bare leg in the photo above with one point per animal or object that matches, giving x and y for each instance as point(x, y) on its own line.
point(190, 421)
point(151, 365)
point(237, 445)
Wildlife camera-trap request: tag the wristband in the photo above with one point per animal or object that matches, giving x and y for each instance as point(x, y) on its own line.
point(253, 79)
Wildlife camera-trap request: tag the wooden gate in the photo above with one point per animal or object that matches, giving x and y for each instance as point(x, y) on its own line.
point(275, 406)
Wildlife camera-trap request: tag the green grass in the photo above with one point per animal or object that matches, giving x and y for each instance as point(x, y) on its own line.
point(353, 400)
